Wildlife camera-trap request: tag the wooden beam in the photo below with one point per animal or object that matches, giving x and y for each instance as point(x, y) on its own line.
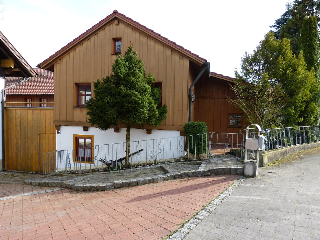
point(7, 63)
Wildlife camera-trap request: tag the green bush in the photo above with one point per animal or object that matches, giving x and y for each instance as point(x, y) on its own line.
point(197, 136)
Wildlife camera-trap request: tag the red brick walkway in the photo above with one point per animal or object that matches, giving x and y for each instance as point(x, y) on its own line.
point(144, 212)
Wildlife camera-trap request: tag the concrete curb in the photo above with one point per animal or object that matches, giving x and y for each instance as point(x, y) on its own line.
point(72, 184)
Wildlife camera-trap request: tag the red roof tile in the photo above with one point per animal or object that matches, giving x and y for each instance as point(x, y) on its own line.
point(130, 21)
point(9, 50)
point(43, 83)
point(222, 77)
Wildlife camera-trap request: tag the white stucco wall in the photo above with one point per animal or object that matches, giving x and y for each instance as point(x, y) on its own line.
point(109, 145)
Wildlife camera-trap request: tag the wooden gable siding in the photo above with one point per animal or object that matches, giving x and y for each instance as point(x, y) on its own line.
point(212, 106)
point(92, 59)
point(34, 98)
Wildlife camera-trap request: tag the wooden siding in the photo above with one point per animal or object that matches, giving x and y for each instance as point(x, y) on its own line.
point(212, 106)
point(92, 59)
point(29, 133)
point(34, 98)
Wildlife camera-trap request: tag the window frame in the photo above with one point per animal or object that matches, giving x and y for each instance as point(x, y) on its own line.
point(28, 102)
point(76, 138)
point(115, 40)
point(159, 85)
point(85, 95)
point(236, 120)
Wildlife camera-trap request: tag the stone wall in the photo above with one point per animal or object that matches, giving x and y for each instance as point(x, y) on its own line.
point(274, 155)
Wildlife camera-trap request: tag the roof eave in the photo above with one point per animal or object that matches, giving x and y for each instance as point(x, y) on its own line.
point(222, 77)
point(12, 52)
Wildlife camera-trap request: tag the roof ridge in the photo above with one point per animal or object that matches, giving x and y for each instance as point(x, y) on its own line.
point(104, 21)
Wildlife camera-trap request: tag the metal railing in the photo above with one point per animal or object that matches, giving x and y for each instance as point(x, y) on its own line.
point(285, 137)
point(112, 156)
point(222, 143)
point(154, 151)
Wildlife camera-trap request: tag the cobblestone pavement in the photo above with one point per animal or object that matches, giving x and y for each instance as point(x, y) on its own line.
point(150, 211)
point(283, 202)
point(100, 181)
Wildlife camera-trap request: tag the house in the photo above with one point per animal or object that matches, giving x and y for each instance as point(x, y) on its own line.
point(12, 65)
point(189, 89)
point(38, 91)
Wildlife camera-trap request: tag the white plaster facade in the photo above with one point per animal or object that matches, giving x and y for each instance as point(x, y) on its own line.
point(110, 145)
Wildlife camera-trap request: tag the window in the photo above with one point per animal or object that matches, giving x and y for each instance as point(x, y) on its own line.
point(43, 102)
point(159, 85)
point(235, 120)
point(116, 45)
point(83, 94)
point(28, 100)
point(83, 148)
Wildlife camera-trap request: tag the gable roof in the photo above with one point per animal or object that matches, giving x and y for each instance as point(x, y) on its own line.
point(46, 63)
point(7, 51)
point(222, 77)
point(43, 83)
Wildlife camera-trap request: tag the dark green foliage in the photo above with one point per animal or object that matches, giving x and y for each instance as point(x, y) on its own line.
point(197, 135)
point(310, 43)
point(290, 24)
point(126, 96)
point(281, 22)
point(275, 87)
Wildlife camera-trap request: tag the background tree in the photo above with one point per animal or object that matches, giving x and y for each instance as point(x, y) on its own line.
point(310, 43)
point(261, 101)
point(274, 86)
point(126, 96)
point(290, 24)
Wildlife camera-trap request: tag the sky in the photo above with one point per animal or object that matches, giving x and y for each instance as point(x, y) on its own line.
point(219, 31)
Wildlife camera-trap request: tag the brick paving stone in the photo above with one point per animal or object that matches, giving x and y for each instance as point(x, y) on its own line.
point(149, 211)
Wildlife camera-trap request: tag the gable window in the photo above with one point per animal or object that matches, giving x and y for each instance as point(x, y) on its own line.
point(235, 120)
point(117, 45)
point(159, 85)
point(83, 94)
point(28, 100)
point(83, 148)
point(43, 102)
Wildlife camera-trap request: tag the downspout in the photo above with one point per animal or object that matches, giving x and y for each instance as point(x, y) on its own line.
point(205, 66)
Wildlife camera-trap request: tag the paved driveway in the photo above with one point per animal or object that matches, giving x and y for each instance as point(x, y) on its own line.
point(282, 203)
point(150, 211)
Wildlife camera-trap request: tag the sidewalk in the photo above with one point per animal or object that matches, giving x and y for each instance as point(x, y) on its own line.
point(282, 203)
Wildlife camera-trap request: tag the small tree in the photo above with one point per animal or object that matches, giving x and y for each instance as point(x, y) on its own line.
point(261, 101)
point(197, 134)
point(127, 96)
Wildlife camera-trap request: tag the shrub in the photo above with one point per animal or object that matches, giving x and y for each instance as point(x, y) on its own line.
point(197, 136)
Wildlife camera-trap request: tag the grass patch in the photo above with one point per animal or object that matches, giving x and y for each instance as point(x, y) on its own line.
point(295, 156)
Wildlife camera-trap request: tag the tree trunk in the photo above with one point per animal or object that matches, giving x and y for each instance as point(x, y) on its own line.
point(127, 146)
